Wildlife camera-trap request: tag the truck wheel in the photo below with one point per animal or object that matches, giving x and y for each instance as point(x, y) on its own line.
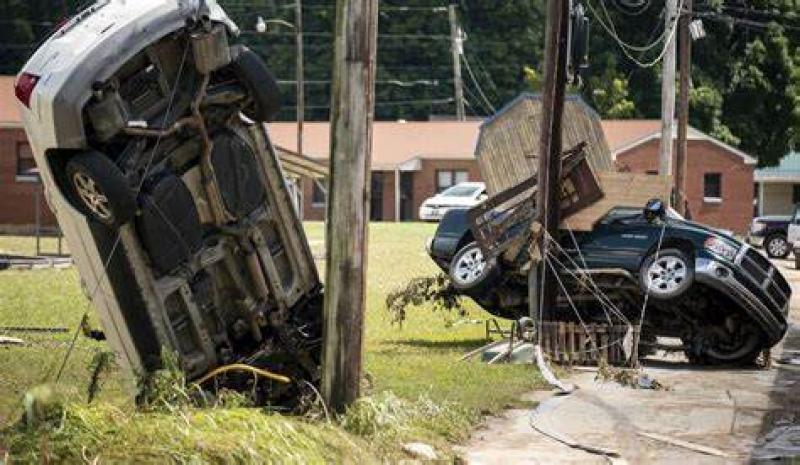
point(253, 73)
point(99, 189)
point(667, 274)
point(471, 273)
point(777, 246)
point(730, 343)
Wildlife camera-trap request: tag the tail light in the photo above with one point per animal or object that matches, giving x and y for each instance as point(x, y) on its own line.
point(24, 86)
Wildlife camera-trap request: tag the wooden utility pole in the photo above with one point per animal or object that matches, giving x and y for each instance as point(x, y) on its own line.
point(457, 47)
point(668, 92)
point(549, 172)
point(352, 110)
point(299, 75)
point(683, 108)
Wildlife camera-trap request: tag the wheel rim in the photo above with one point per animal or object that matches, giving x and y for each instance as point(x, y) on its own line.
point(92, 196)
point(666, 275)
point(778, 246)
point(470, 266)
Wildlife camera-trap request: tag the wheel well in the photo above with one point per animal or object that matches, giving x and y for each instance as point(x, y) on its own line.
point(773, 233)
point(57, 161)
point(465, 239)
point(683, 245)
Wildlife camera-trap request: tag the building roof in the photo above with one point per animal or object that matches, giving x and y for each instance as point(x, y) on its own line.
point(397, 143)
point(622, 132)
point(638, 132)
point(393, 143)
point(787, 170)
point(9, 112)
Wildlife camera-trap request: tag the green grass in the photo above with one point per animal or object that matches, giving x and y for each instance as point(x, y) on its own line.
point(418, 363)
point(26, 245)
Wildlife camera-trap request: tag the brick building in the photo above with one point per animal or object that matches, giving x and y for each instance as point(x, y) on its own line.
point(19, 183)
point(719, 178)
point(411, 161)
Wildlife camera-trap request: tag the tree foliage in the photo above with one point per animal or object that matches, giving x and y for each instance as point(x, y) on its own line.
point(745, 75)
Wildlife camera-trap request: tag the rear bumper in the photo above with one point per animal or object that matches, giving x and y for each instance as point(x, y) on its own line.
point(431, 214)
point(754, 300)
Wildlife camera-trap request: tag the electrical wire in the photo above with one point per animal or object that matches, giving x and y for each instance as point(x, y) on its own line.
point(477, 85)
point(666, 37)
point(244, 367)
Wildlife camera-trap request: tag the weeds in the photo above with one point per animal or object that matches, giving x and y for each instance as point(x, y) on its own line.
point(436, 290)
point(102, 363)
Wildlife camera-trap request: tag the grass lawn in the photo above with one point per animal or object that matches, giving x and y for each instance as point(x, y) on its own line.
point(417, 361)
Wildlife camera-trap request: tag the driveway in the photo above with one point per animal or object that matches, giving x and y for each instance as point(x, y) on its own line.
point(708, 416)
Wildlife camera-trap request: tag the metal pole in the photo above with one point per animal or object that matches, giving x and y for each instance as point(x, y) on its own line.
point(352, 113)
point(668, 94)
point(301, 99)
point(38, 209)
point(681, 160)
point(549, 172)
point(457, 48)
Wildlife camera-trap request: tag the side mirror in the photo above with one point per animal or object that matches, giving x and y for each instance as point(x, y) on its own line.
point(654, 209)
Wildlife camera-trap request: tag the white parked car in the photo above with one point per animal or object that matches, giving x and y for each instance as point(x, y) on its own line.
point(146, 123)
point(462, 195)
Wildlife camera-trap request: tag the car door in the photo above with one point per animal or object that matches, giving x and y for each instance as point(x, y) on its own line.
point(620, 240)
point(793, 234)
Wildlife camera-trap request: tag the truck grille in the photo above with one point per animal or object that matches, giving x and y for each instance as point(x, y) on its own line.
point(764, 275)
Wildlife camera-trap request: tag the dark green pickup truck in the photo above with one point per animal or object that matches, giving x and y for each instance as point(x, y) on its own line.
point(722, 298)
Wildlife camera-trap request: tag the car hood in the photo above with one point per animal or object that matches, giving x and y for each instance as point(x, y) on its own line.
point(702, 228)
point(773, 219)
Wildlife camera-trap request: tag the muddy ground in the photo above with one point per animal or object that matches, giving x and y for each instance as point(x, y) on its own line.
point(708, 416)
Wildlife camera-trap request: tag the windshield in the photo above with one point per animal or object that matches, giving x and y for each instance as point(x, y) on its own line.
point(460, 191)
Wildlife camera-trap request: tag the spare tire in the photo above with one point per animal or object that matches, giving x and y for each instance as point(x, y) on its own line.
point(253, 73)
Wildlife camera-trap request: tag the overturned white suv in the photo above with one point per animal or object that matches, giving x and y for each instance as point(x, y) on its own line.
point(146, 123)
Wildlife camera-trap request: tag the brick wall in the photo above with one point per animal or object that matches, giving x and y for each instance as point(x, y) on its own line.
point(735, 212)
point(17, 207)
point(423, 186)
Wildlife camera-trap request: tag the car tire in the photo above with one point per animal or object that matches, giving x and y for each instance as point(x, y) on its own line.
point(709, 347)
point(667, 274)
point(99, 189)
point(253, 73)
point(777, 246)
point(471, 274)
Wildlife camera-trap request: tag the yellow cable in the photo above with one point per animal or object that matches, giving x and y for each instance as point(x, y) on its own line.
point(243, 367)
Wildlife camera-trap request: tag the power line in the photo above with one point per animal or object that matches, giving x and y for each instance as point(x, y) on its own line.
point(668, 34)
point(477, 85)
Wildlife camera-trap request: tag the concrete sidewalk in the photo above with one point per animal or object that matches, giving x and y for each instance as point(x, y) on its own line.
point(744, 415)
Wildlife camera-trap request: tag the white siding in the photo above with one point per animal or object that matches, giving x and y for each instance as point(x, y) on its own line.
point(777, 199)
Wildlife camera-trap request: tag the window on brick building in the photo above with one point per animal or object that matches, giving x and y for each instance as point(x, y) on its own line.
point(317, 193)
point(447, 178)
point(652, 172)
point(26, 167)
point(712, 187)
point(796, 193)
